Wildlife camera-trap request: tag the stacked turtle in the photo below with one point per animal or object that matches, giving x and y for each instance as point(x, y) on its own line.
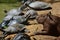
point(13, 19)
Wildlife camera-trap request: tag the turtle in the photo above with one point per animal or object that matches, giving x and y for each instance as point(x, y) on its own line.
point(33, 14)
point(25, 3)
point(14, 12)
point(37, 5)
point(22, 36)
point(20, 19)
point(17, 21)
point(10, 14)
point(6, 20)
point(14, 28)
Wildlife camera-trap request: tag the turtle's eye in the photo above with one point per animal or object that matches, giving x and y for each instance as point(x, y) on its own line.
point(21, 14)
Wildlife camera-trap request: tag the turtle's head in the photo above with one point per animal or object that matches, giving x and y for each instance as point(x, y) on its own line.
point(3, 24)
point(5, 11)
point(5, 21)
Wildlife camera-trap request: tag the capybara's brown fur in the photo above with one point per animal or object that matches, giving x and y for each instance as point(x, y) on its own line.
point(50, 23)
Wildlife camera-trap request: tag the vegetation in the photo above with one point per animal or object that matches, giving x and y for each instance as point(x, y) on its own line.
point(9, 1)
point(7, 6)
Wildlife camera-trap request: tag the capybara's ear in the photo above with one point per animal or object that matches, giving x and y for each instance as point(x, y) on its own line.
point(49, 13)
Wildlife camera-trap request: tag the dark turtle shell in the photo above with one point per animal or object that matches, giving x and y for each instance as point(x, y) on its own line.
point(39, 5)
point(21, 36)
point(32, 13)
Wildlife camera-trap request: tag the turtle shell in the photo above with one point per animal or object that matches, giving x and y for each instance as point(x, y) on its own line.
point(6, 20)
point(8, 17)
point(19, 19)
point(14, 12)
point(14, 28)
point(32, 13)
point(39, 5)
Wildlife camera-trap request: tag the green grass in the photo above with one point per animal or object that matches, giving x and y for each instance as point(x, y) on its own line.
point(7, 6)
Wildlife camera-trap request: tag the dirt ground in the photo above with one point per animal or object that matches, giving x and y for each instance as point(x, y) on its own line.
point(38, 27)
